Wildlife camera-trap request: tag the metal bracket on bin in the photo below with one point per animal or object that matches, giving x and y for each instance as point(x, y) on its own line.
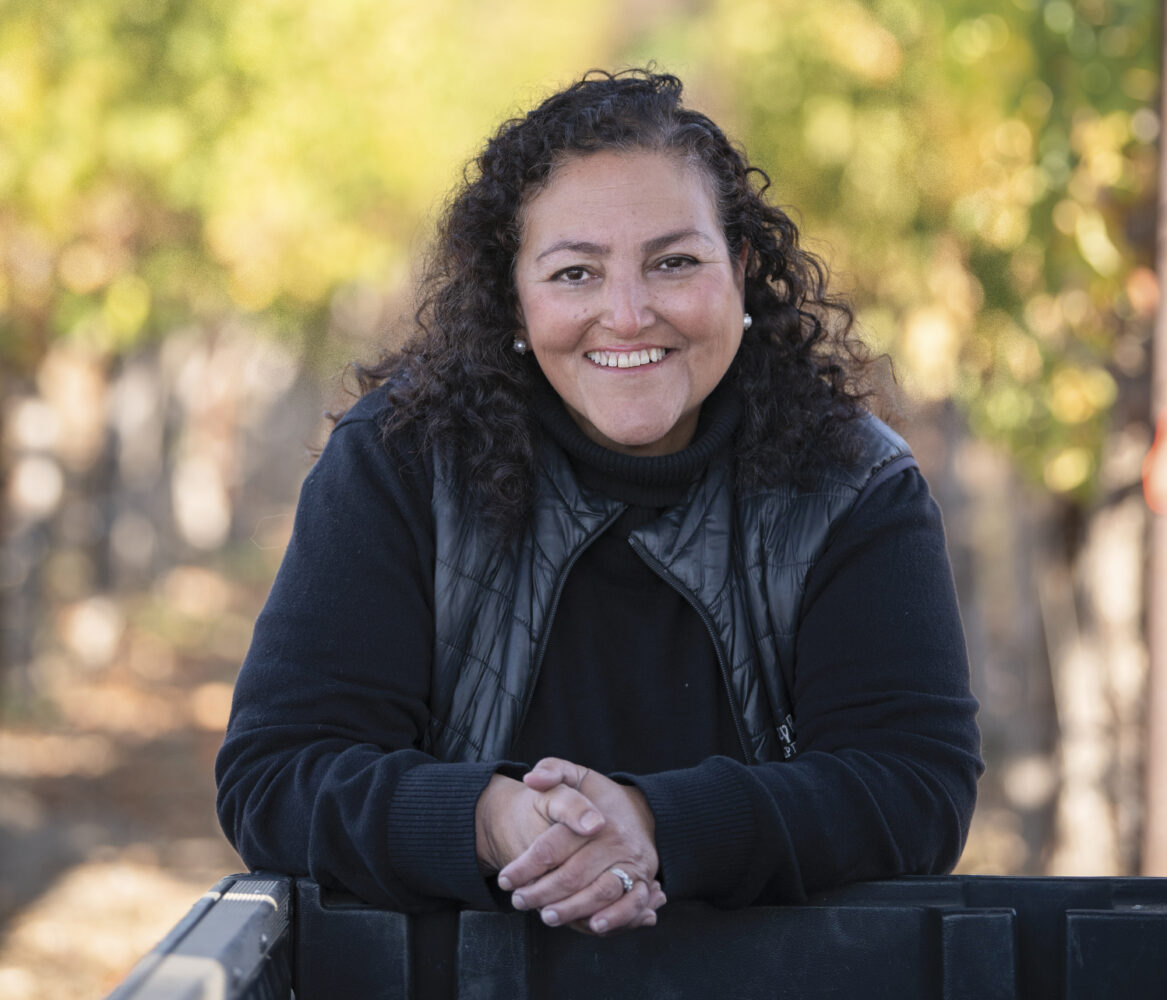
point(234, 944)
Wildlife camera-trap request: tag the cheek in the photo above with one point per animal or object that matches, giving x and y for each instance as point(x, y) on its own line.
point(723, 334)
point(723, 346)
point(710, 308)
point(554, 325)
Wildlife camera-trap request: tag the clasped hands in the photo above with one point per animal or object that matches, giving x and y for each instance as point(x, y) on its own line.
point(555, 837)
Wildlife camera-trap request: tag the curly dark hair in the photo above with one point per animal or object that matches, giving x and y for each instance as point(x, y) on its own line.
point(457, 380)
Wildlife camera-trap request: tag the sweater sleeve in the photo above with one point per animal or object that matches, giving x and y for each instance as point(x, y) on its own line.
point(885, 780)
point(320, 772)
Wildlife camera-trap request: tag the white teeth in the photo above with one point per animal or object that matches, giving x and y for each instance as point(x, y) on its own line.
point(626, 359)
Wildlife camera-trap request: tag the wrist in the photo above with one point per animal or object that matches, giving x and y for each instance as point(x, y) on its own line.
point(643, 810)
point(495, 801)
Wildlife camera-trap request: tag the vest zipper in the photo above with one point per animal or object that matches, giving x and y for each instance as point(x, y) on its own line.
point(548, 621)
point(705, 617)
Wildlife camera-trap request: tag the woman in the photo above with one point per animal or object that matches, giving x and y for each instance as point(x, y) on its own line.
point(617, 512)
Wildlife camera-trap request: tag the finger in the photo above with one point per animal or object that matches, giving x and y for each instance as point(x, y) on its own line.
point(647, 918)
point(543, 879)
point(632, 909)
point(573, 809)
point(604, 899)
point(563, 880)
point(551, 879)
point(551, 849)
point(657, 897)
point(552, 771)
point(607, 923)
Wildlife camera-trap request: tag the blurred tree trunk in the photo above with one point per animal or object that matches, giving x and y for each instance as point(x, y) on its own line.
point(1052, 598)
point(1092, 609)
point(7, 636)
point(997, 536)
point(123, 469)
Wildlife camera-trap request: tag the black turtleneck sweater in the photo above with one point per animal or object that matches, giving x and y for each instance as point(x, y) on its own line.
point(319, 774)
point(628, 656)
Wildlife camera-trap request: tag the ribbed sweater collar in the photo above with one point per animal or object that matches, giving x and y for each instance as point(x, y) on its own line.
point(658, 481)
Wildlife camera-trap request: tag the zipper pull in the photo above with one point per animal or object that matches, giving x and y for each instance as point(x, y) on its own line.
point(786, 737)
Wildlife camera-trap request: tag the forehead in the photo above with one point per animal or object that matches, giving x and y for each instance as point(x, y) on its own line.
point(620, 188)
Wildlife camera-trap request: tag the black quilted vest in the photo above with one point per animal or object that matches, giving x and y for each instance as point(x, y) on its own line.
point(741, 561)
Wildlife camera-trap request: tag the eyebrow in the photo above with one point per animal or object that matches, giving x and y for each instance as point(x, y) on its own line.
point(654, 245)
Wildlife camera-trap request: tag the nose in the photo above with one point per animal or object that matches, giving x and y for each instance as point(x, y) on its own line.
point(627, 306)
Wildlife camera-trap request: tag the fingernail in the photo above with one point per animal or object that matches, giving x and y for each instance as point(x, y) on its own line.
point(590, 820)
point(505, 883)
point(600, 925)
point(650, 920)
point(518, 902)
point(550, 918)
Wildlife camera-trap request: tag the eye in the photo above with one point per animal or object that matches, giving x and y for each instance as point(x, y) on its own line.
point(675, 262)
point(575, 275)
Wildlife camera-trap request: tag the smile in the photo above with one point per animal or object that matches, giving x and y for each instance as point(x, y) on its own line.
point(626, 359)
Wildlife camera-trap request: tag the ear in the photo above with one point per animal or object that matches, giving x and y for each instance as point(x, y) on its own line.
point(739, 266)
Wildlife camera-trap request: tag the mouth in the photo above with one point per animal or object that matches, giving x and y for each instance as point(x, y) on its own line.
point(627, 359)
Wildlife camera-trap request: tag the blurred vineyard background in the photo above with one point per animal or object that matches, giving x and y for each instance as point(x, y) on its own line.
point(207, 208)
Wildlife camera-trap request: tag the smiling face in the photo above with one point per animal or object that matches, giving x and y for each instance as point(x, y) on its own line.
point(630, 299)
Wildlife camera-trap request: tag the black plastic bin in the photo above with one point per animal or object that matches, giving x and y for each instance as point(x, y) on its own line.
point(946, 938)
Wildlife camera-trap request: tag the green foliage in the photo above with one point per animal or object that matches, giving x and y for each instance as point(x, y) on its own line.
point(162, 160)
point(980, 175)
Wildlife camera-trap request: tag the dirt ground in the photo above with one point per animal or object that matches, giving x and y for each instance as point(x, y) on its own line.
point(107, 824)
